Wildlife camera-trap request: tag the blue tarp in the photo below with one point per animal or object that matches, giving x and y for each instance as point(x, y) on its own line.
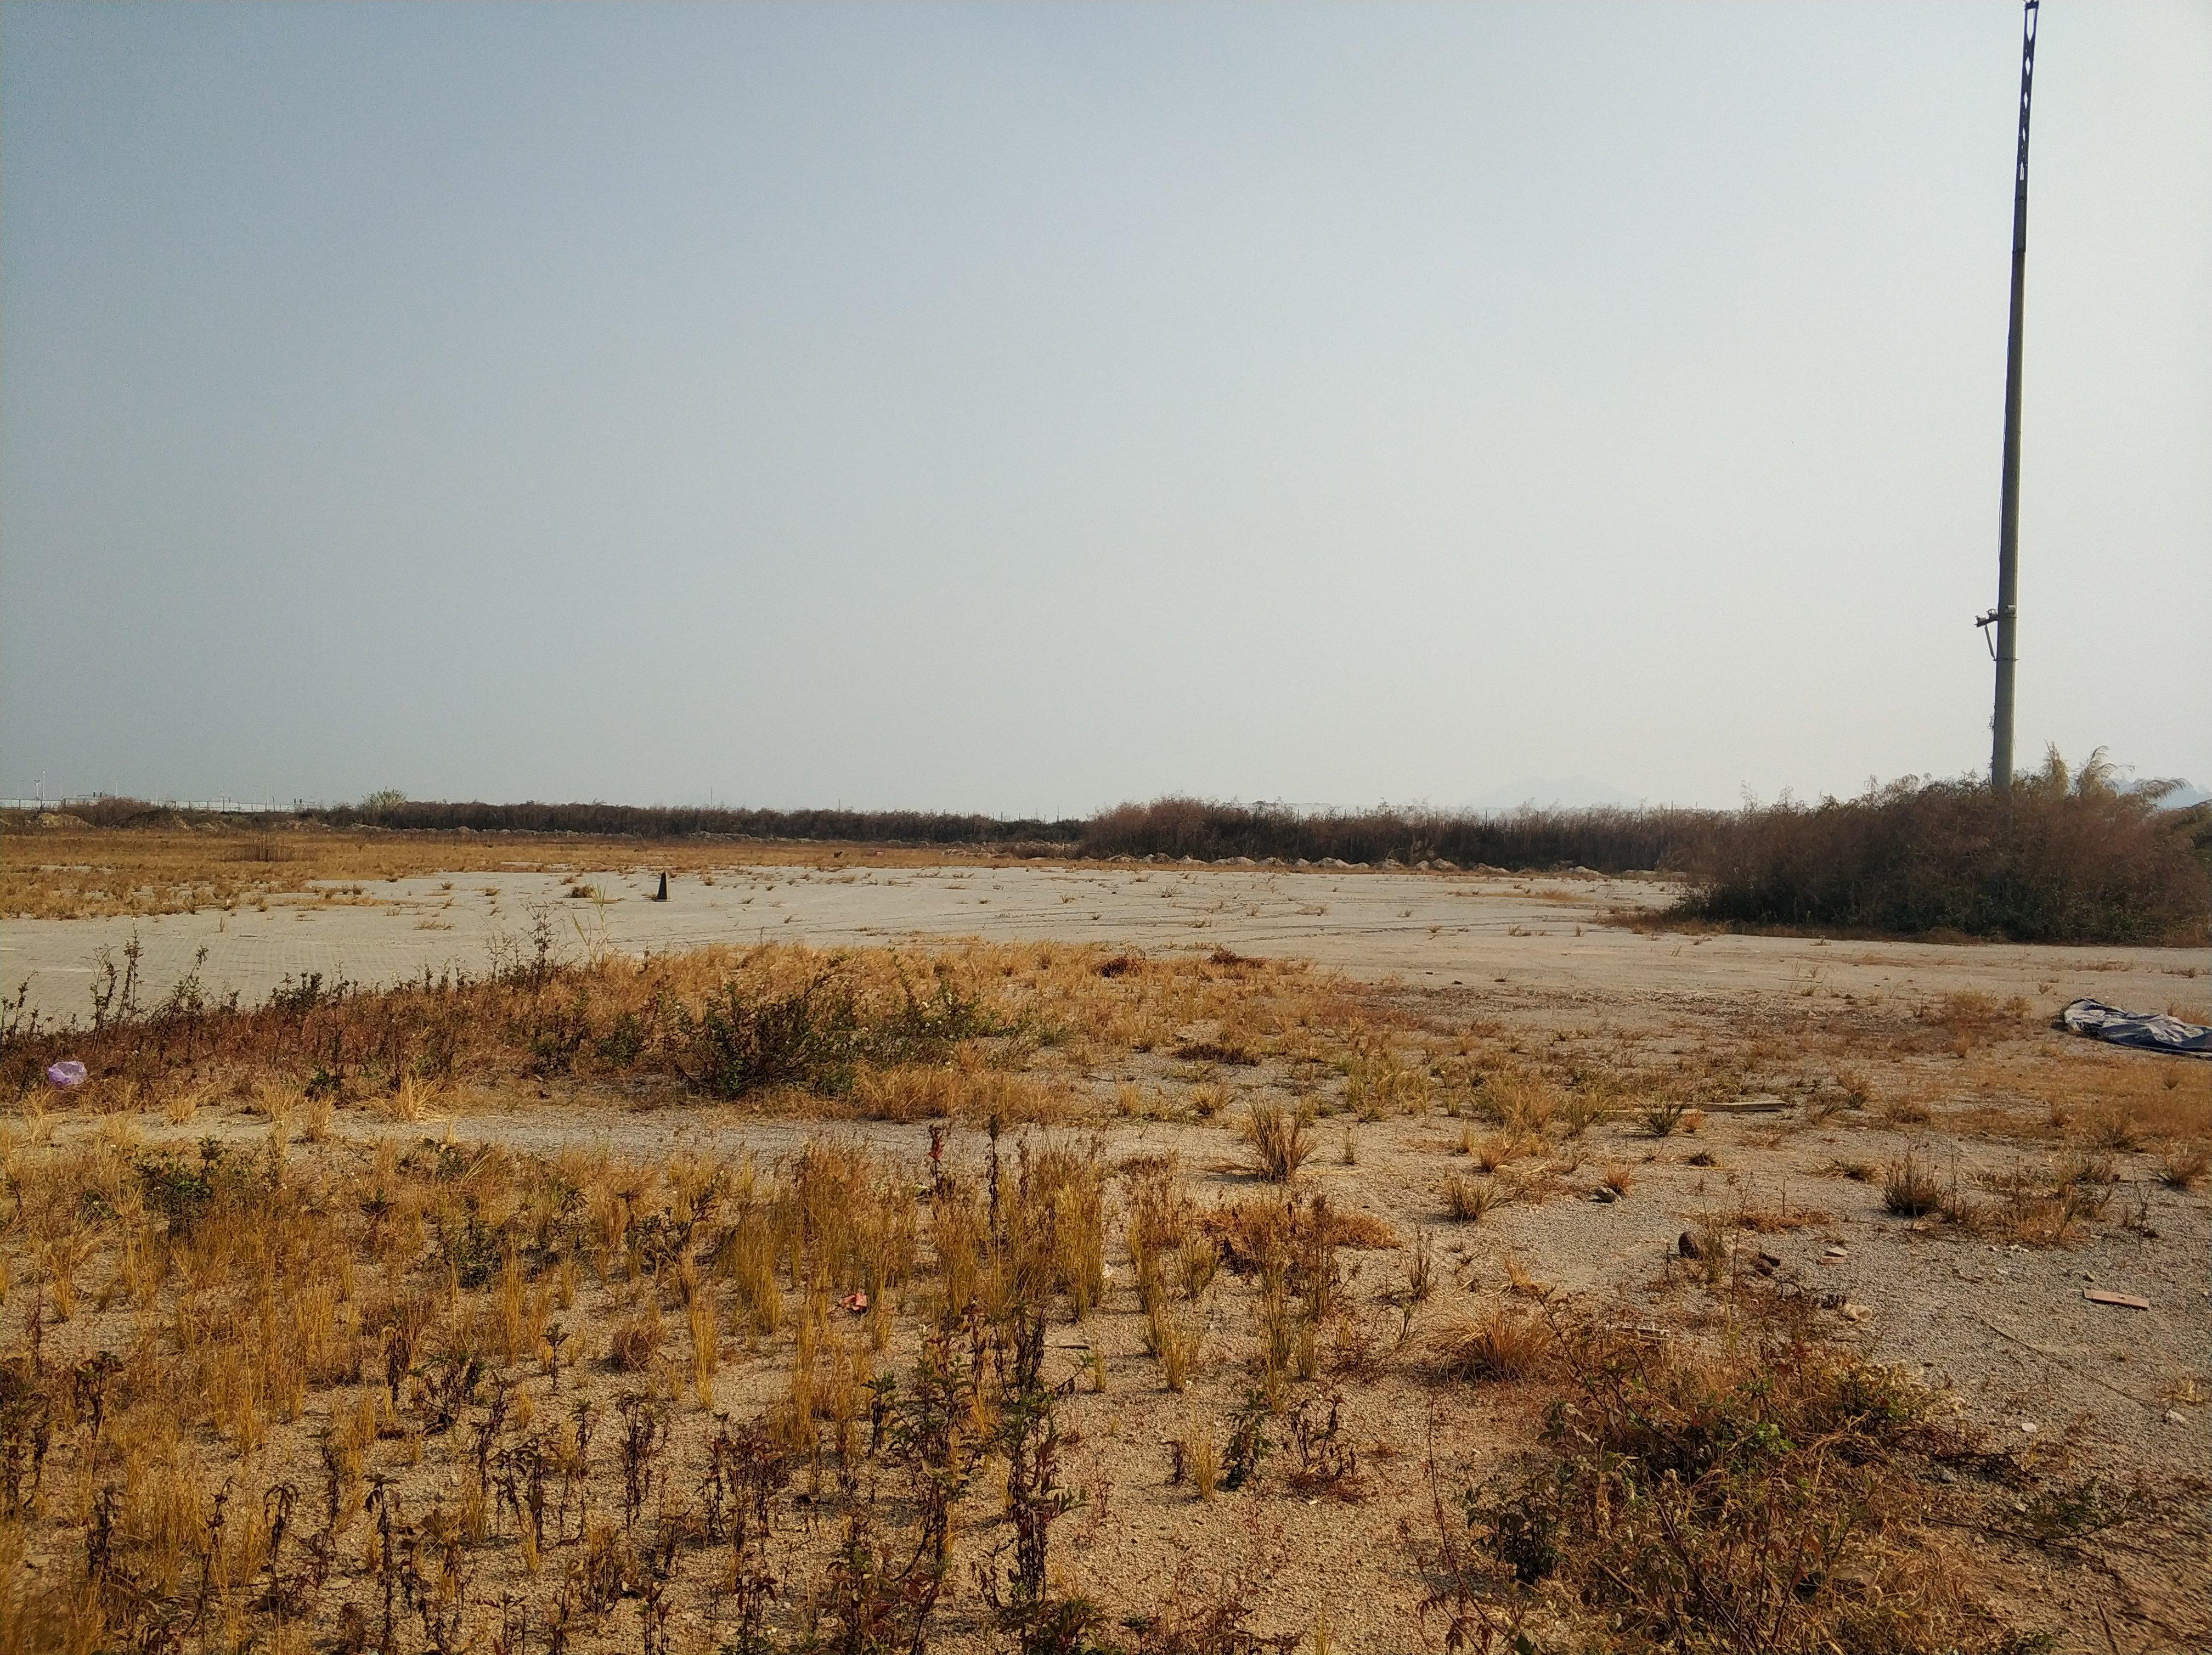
point(2147, 1030)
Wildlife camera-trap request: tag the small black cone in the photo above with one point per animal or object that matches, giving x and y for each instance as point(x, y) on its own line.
point(661, 895)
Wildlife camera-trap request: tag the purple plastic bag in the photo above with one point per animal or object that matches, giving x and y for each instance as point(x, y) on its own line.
point(67, 1073)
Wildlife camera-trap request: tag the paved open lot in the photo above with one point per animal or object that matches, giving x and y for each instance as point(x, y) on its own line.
point(1558, 936)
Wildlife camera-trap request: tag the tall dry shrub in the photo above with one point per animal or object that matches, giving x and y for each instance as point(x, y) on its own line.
point(2061, 858)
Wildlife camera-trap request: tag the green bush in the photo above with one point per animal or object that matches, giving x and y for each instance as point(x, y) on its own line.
point(735, 1044)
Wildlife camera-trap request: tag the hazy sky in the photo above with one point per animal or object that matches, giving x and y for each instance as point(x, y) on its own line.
point(1025, 408)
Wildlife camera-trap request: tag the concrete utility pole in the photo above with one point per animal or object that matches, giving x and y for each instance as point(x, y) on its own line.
point(2005, 616)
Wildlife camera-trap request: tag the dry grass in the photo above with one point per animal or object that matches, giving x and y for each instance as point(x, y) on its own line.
point(2034, 1204)
point(1775, 1218)
point(1910, 1187)
point(1669, 1503)
point(1380, 1081)
point(1503, 1342)
point(2042, 1206)
point(1201, 1459)
point(1279, 1140)
point(406, 1336)
point(960, 1033)
point(78, 873)
point(2184, 1166)
point(1662, 1115)
point(303, 1310)
point(1246, 1232)
point(1498, 1149)
point(1467, 1200)
point(2071, 1091)
point(970, 1090)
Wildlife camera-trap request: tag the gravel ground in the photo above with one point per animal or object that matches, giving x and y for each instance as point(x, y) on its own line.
point(2004, 1332)
point(2007, 1332)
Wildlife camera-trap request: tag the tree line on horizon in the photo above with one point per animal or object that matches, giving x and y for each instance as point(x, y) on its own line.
point(2065, 856)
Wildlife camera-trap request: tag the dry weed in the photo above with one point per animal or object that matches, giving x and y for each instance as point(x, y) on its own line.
point(2184, 1166)
point(1669, 1504)
point(1500, 1343)
point(1280, 1138)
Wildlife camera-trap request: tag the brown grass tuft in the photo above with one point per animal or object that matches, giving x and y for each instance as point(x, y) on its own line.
point(1910, 1188)
point(1497, 1344)
point(634, 1342)
point(1280, 1140)
point(2184, 1166)
point(1467, 1200)
point(1250, 1230)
